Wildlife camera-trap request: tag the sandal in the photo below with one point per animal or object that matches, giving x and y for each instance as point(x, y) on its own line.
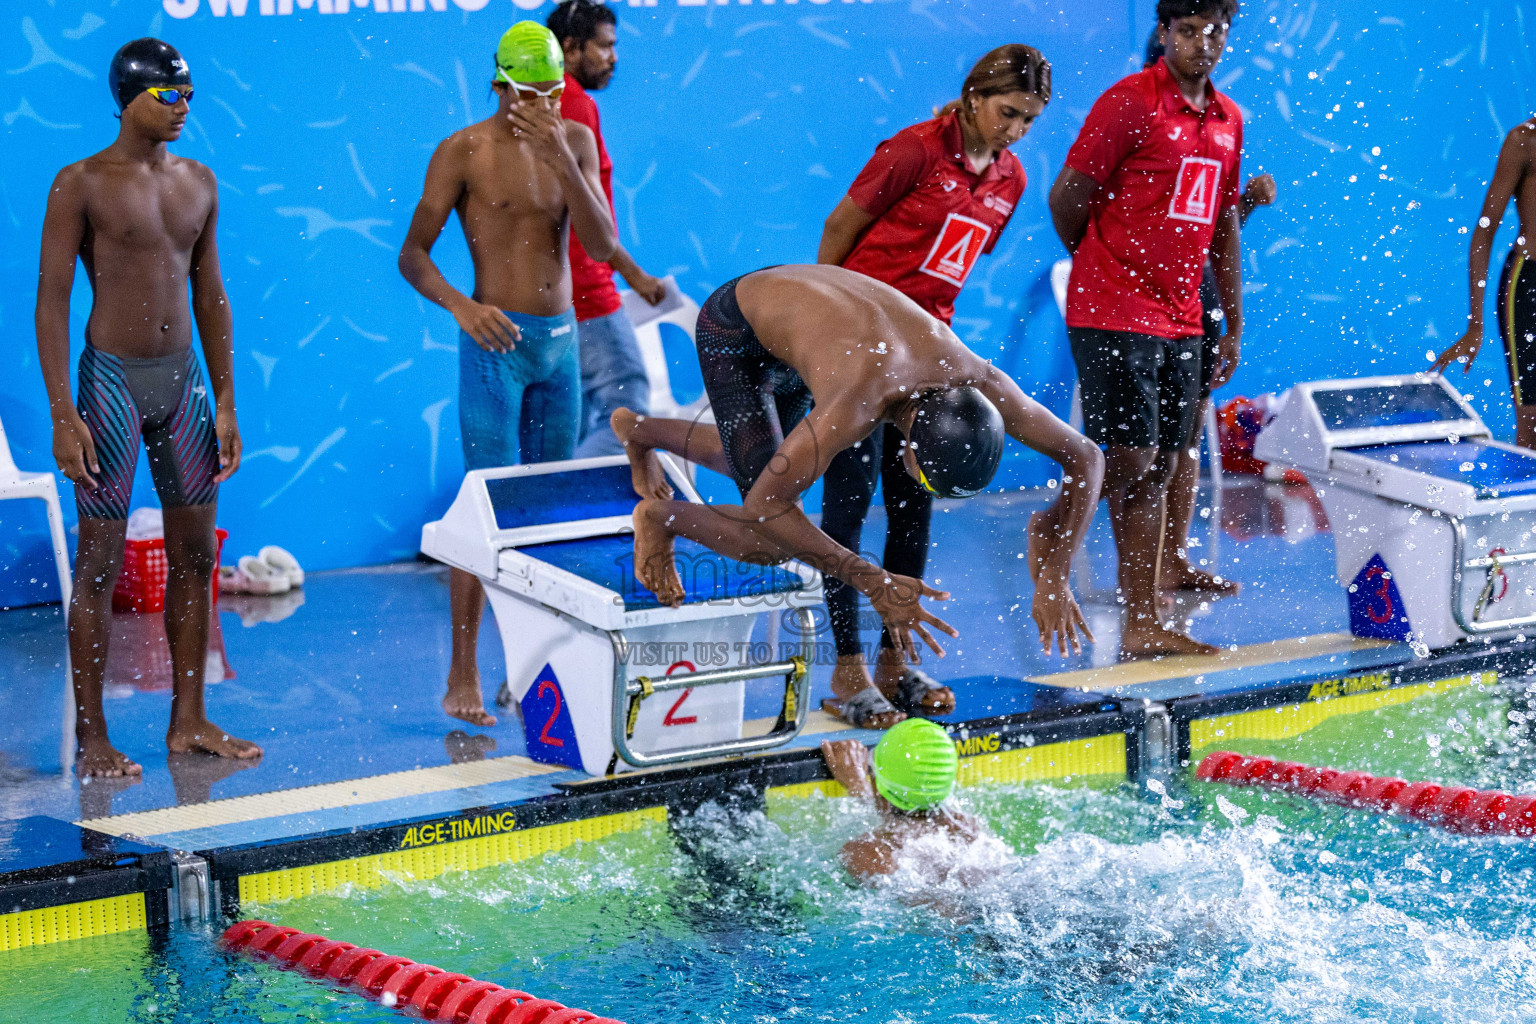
point(914, 686)
point(860, 709)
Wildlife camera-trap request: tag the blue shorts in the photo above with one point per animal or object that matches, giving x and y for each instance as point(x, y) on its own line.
point(612, 375)
point(161, 402)
point(524, 405)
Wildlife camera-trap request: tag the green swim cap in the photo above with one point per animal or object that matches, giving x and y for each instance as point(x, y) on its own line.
point(529, 52)
point(915, 765)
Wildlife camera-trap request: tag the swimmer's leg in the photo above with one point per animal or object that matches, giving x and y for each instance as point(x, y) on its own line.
point(98, 559)
point(643, 436)
point(191, 556)
point(723, 529)
point(466, 607)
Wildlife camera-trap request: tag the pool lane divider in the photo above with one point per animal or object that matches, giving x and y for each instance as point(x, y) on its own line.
point(1455, 808)
point(394, 981)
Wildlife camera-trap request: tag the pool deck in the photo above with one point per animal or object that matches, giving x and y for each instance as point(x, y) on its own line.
point(340, 683)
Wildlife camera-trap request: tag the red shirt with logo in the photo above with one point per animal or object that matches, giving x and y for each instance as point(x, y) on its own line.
point(934, 216)
point(1166, 171)
point(591, 281)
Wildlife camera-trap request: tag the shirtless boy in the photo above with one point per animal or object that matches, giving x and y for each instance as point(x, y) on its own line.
point(143, 224)
point(517, 180)
point(1514, 177)
point(772, 342)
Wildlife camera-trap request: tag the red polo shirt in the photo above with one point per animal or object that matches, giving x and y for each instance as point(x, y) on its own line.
point(1167, 170)
point(591, 281)
point(934, 216)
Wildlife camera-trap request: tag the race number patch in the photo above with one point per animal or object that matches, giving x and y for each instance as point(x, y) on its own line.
point(1197, 190)
point(954, 253)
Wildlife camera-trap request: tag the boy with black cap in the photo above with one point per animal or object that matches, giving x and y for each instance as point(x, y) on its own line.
point(143, 223)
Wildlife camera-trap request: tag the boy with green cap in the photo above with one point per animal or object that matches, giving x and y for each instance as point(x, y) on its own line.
point(520, 181)
point(908, 776)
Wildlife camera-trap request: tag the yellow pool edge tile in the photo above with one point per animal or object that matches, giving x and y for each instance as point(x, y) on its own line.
point(1289, 720)
point(376, 870)
point(47, 925)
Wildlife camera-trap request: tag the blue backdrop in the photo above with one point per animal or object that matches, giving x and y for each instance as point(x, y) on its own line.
point(734, 128)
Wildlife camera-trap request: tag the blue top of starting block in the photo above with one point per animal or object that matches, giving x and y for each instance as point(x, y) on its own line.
point(537, 499)
point(1492, 472)
point(610, 562)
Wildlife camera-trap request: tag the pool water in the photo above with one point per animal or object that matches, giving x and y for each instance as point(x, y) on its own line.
point(1101, 903)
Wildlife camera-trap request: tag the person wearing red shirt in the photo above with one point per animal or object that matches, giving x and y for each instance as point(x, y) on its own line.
point(1148, 193)
point(612, 372)
point(931, 201)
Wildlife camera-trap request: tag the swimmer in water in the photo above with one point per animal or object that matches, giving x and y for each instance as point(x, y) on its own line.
point(908, 777)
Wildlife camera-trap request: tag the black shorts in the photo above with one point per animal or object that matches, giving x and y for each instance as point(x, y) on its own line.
point(1139, 390)
point(1517, 324)
point(1211, 317)
point(756, 398)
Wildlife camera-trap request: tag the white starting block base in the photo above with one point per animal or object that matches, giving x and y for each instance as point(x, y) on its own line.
point(606, 678)
point(1434, 523)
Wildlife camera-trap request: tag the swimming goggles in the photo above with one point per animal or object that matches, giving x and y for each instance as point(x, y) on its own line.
point(553, 92)
point(169, 95)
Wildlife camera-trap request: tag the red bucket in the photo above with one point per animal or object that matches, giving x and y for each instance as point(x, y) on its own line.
point(141, 582)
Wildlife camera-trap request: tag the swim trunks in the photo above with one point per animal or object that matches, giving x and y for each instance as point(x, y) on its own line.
point(1517, 324)
point(524, 405)
point(162, 402)
point(756, 398)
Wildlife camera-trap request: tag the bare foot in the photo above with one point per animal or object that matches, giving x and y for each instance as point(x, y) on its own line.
point(464, 701)
point(98, 758)
point(655, 564)
point(1041, 535)
point(1152, 639)
point(1180, 575)
point(650, 480)
point(210, 739)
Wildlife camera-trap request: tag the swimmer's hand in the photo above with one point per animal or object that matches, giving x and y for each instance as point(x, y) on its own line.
point(848, 761)
point(492, 329)
point(538, 122)
point(228, 433)
point(650, 288)
point(896, 599)
point(74, 450)
point(1057, 615)
point(1463, 352)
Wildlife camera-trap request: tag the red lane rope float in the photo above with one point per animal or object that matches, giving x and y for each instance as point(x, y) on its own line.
point(420, 989)
point(1456, 808)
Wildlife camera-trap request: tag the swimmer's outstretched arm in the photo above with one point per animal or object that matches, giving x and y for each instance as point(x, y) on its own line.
point(1517, 158)
point(1027, 421)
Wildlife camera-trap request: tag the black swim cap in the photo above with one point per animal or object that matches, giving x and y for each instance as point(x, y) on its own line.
point(144, 63)
point(958, 439)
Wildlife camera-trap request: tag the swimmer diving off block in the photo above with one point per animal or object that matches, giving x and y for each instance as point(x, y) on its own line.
point(801, 362)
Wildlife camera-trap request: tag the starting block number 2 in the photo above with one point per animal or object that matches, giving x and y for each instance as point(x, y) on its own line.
point(672, 717)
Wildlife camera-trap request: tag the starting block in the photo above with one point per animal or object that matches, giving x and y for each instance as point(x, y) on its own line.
point(608, 678)
point(1434, 522)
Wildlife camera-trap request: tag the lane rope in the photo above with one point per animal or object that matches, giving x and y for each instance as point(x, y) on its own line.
point(395, 981)
point(1455, 808)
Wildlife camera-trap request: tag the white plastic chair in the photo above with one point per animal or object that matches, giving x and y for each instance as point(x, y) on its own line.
point(653, 354)
point(14, 483)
